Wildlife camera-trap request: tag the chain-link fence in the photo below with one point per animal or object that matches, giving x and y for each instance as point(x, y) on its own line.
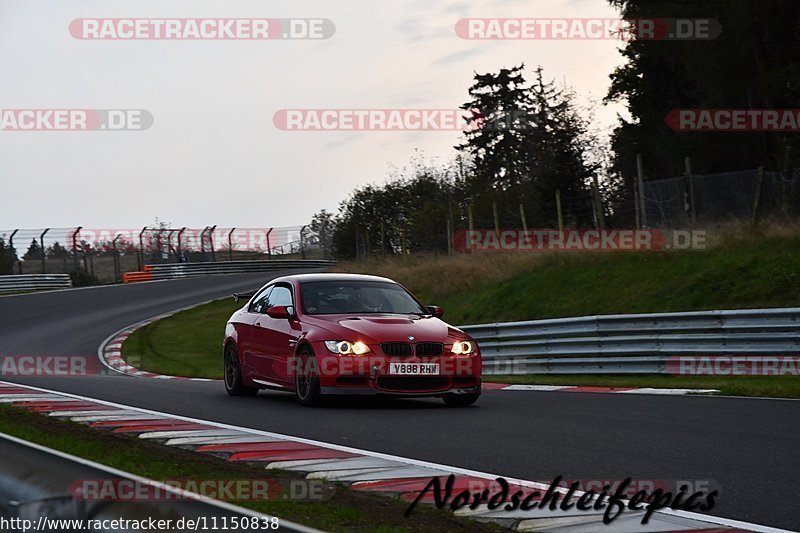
point(744, 195)
point(103, 255)
point(688, 201)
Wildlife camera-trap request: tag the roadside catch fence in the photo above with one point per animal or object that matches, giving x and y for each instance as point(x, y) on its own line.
point(745, 195)
point(645, 202)
point(103, 255)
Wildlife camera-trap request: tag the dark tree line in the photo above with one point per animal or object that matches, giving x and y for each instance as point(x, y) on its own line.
point(524, 141)
point(8, 256)
point(753, 64)
point(530, 140)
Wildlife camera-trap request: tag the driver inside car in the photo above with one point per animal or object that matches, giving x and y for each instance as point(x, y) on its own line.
point(370, 301)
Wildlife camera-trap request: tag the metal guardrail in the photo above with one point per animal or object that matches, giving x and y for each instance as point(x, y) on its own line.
point(184, 270)
point(640, 343)
point(34, 282)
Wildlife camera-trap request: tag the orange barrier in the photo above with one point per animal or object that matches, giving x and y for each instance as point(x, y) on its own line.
point(133, 277)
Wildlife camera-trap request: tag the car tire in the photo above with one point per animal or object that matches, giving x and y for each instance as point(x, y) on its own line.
point(306, 381)
point(460, 400)
point(232, 373)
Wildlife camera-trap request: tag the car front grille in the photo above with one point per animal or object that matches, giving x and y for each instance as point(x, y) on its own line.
point(396, 349)
point(429, 349)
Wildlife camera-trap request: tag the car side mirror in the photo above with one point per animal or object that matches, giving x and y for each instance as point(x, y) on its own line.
point(435, 310)
point(280, 311)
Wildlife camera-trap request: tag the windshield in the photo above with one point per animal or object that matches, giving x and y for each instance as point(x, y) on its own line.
point(358, 297)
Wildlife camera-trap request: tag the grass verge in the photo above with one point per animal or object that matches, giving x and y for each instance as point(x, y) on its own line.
point(188, 343)
point(340, 510)
point(744, 269)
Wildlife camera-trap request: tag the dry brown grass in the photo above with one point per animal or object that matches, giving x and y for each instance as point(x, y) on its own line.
point(742, 266)
point(441, 274)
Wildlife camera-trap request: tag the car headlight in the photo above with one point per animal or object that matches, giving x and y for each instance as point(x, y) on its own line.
point(347, 347)
point(463, 347)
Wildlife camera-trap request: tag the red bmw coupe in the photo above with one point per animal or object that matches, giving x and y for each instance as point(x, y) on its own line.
point(324, 334)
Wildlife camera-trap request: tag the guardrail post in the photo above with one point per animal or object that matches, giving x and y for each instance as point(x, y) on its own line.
point(75, 261)
point(140, 255)
point(230, 244)
point(211, 242)
point(785, 189)
point(170, 249)
point(640, 179)
point(302, 242)
point(180, 250)
point(84, 245)
point(11, 254)
point(757, 200)
point(559, 212)
point(116, 258)
point(598, 204)
point(690, 186)
point(159, 248)
point(44, 251)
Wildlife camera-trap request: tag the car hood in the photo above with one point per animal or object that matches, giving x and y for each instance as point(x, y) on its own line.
point(374, 329)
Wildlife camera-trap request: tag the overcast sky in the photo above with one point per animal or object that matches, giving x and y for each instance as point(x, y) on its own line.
point(213, 155)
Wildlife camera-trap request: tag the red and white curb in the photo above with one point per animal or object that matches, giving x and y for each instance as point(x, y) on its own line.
point(613, 390)
point(361, 469)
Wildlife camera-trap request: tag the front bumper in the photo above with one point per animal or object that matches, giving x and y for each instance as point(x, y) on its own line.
point(370, 374)
point(373, 391)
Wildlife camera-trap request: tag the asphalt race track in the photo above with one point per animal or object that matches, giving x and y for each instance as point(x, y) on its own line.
point(749, 447)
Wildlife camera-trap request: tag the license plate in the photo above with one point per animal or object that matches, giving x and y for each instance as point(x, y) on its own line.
point(414, 369)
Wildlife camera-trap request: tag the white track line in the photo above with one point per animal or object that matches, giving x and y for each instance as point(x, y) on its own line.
point(414, 462)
